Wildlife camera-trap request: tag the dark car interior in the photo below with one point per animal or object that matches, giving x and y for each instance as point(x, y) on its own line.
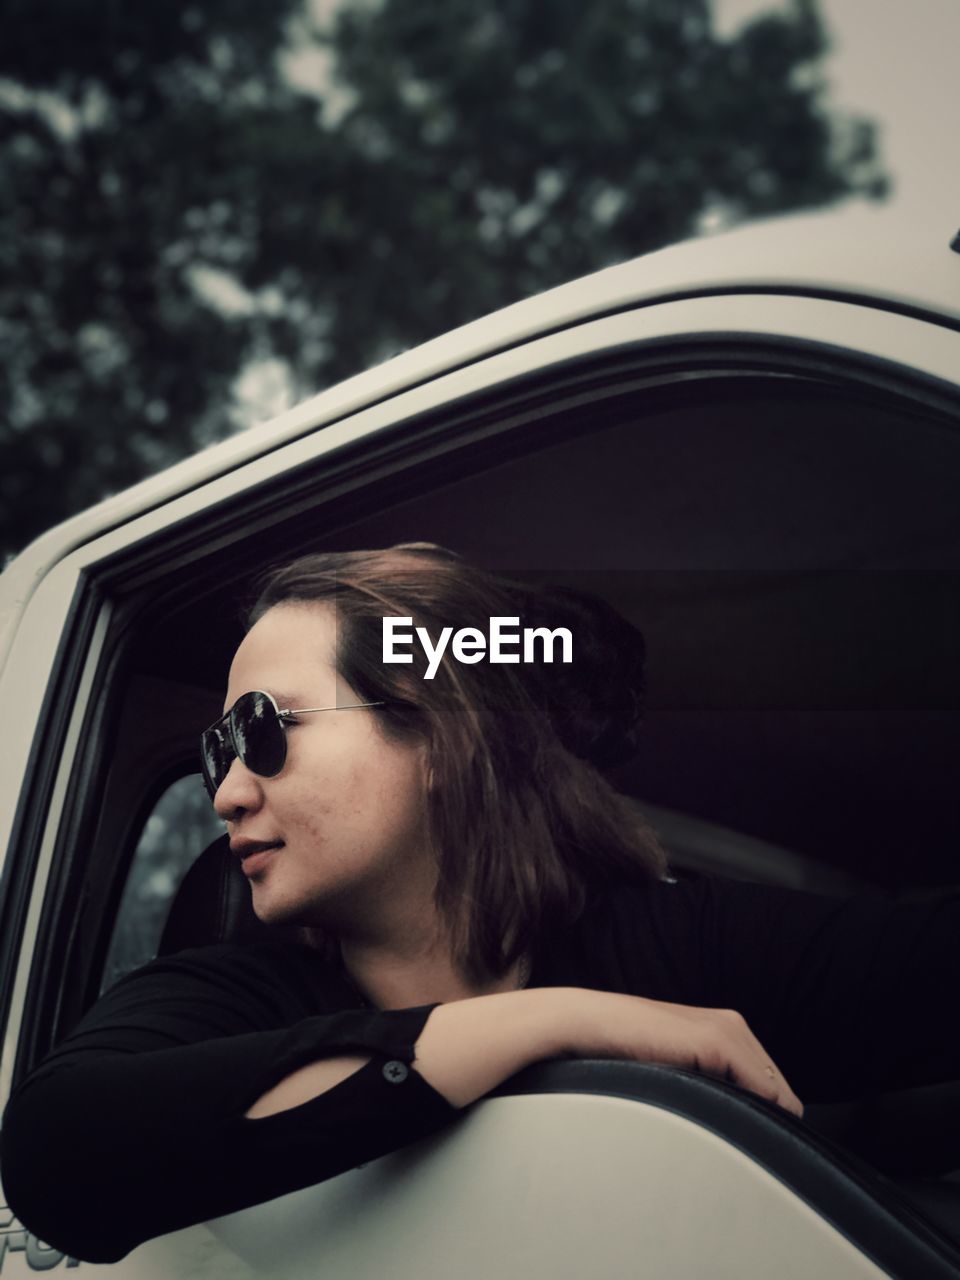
point(788, 542)
point(792, 562)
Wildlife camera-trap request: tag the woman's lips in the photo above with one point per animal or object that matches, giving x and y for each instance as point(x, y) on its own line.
point(254, 862)
point(256, 855)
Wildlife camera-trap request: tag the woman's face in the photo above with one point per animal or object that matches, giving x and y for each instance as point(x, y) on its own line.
point(346, 814)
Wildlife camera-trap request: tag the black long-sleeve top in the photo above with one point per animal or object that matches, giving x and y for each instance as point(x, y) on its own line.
point(144, 1101)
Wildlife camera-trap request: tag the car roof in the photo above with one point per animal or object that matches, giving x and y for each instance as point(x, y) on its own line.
point(875, 256)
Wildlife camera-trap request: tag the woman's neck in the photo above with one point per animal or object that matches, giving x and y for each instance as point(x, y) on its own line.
point(390, 979)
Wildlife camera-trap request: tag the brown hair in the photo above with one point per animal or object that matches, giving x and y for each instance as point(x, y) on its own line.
point(521, 820)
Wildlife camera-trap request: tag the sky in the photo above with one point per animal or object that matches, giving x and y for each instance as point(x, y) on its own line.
point(896, 61)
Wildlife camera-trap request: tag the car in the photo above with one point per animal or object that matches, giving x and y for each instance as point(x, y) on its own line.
point(748, 442)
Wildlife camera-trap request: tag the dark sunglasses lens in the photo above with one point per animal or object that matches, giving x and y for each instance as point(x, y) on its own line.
point(216, 754)
point(258, 734)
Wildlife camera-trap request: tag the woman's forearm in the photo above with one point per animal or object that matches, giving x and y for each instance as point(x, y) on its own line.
point(306, 1083)
point(466, 1049)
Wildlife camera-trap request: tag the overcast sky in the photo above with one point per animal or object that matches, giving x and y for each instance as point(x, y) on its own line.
point(897, 62)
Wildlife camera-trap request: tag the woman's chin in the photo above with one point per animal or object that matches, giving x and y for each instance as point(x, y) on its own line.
point(330, 909)
point(271, 908)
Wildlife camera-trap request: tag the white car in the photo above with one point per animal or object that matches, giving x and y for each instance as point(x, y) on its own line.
point(750, 443)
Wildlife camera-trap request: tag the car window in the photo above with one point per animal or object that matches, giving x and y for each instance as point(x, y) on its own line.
point(718, 516)
point(178, 829)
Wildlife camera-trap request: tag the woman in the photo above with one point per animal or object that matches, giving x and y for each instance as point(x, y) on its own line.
point(473, 897)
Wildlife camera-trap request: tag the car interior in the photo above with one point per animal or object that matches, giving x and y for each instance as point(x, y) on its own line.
point(788, 541)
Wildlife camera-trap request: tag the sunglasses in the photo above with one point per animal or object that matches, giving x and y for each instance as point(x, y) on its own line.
point(252, 731)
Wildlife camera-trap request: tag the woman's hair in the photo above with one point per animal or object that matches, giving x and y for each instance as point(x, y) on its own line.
point(521, 822)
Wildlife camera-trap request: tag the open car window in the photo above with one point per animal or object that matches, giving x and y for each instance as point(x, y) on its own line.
point(787, 547)
point(179, 826)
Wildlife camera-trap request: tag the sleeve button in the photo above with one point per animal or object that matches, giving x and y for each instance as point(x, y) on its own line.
point(395, 1072)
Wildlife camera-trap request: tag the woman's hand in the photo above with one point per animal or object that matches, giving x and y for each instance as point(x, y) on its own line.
point(717, 1042)
point(469, 1046)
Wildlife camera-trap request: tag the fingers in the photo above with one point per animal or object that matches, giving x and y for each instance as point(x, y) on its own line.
point(715, 1041)
point(762, 1077)
point(779, 1089)
point(747, 1063)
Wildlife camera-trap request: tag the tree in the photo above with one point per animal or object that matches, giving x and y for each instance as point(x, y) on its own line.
point(173, 206)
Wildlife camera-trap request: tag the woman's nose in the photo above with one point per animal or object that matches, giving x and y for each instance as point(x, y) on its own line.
point(239, 792)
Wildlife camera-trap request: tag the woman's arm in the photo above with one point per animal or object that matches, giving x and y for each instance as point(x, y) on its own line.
point(468, 1047)
point(135, 1125)
point(166, 1108)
